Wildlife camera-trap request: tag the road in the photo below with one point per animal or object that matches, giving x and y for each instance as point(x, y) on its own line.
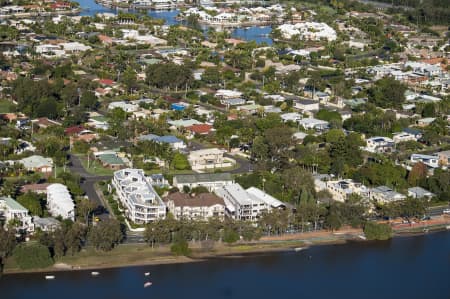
point(437, 211)
point(88, 184)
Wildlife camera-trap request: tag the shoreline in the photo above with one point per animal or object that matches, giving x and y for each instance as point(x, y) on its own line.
point(240, 250)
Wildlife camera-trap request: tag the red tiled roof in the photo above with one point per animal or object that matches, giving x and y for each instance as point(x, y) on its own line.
point(106, 81)
point(74, 130)
point(34, 188)
point(200, 129)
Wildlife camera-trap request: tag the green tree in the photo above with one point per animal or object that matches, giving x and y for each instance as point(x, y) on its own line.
point(180, 162)
point(230, 236)
point(106, 235)
point(387, 93)
point(33, 202)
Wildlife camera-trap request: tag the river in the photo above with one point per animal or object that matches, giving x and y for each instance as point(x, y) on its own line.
point(407, 267)
point(258, 34)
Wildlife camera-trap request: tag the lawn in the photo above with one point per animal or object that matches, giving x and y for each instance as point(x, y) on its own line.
point(95, 167)
point(6, 106)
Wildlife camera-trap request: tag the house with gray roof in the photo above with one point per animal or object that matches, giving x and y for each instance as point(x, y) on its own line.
point(384, 194)
point(37, 164)
point(419, 192)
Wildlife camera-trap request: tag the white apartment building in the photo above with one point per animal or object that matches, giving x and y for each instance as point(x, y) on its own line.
point(247, 204)
point(199, 207)
point(342, 189)
point(141, 202)
point(59, 202)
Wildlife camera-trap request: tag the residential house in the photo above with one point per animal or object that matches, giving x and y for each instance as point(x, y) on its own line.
point(403, 137)
point(37, 163)
point(110, 159)
point(384, 194)
point(203, 129)
point(11, 210)
point(429, 160)
point(47, 224)
point(172, 141)
point(419, 192)
point(209, 158)
point(211, 181)
point(59, 201)
point(124, 105)
point(247, 204)
point(342, 189)
point(424, 122)
point(306, 105)
point(196, 207)
point(379, 145)
point(314, 124)
point(135, 192)
point(292, 116)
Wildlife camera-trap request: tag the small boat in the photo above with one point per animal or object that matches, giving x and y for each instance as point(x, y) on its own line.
point(447, 227)
point(147, 273)
point(299, 249)
point(147, 284)
point(95, 273)
point(49, 277)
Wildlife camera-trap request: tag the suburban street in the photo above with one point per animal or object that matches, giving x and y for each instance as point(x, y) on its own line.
point(88, 183)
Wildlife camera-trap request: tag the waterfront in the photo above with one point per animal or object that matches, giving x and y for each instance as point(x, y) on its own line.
point(257, 33)
point(407, 267)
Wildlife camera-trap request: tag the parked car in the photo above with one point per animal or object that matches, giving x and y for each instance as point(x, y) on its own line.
point(446, 211)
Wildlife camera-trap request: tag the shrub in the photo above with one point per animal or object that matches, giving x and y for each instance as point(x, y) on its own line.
point(180, 247)
point(32, 256)
point(375, 231)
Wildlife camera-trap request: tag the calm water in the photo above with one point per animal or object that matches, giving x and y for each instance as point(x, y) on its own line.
point(258, 34)
point(413, 267)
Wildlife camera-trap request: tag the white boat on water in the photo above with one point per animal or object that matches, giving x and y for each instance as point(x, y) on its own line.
point(447, 227)
point(49, 277)
point(95, 273)
point(147, 284)
point(299, 249)
point(147, 273)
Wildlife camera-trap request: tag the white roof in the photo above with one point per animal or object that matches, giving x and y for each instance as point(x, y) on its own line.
point(260, 195)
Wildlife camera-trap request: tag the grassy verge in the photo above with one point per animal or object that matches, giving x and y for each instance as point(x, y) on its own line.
point(6, 106)
point(95, 167)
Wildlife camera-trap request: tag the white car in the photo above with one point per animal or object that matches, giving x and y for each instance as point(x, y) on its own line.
point(446, 211)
